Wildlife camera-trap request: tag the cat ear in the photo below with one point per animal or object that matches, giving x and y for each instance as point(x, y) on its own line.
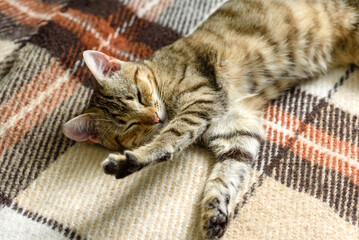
point(80, 129)
point(100, 64)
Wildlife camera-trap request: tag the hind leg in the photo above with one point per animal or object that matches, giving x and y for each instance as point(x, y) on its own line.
point(223, 184)
point(235, 143)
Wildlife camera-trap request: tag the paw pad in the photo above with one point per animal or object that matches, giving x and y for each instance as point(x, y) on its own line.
point(217, 225)
point(215, 219)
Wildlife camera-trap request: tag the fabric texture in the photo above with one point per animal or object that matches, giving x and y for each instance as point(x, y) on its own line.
point(304, 184)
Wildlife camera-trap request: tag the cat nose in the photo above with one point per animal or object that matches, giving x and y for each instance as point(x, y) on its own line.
point(156, 119)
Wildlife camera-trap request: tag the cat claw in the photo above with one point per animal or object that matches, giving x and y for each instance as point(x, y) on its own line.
point(121, 166)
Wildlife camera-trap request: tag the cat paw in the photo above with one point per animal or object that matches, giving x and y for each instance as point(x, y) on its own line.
point(121, 165)
point(214, 219)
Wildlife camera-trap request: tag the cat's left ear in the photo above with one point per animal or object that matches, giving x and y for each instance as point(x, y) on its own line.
point(81, 129)
point(100, 64)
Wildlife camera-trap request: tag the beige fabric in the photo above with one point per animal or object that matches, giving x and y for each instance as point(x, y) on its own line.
point(347, 97)
point(159, 202)
point(321, 86)
point(278, 212)
point(15, 226)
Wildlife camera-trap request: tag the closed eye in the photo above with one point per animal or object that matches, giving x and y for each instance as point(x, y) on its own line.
point(132, 124)
point(139, 97)
point(129, 98)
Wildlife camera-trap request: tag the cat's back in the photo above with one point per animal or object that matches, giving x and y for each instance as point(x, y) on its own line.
point(259, 47)
point(251, 42)
point(298, 23)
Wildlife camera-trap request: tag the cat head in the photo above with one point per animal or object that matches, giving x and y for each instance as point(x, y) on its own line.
point(125, 109)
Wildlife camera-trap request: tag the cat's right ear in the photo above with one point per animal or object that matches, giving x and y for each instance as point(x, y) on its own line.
point(80, 129)
point(101, 65)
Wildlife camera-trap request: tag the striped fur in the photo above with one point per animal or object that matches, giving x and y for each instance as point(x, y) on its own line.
point(211, 87)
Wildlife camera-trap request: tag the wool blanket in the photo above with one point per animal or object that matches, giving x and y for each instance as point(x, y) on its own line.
point(304, 184)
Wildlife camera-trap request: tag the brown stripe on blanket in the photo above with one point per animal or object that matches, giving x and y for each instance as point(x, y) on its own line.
point(11, 30)
point(322, 103)
point(38, 148)
point(34, 113)
point(32, 61)
point(338, 123)
point(293, 102)
point(58, 2)
point(105, 9)
point(300, 129)
point(59, 42)
point(66, 47)
point(295, 99)
point(288, 112)
point(140, 39)
point(55, 225)
point(33, 14)
point(156, 36)
point(304, 176)
point(4, 200)
point(264, 150)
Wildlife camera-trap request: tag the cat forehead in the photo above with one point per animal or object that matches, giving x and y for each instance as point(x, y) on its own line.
point(119, 82)
point(130, 73)
point(130, 68)
point(126, 80)
point(136, 68)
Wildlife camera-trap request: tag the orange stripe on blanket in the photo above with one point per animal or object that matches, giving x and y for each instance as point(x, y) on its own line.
point(276, 115)
point(319, 137)
point(101, 37)
point(33, 108)
point(316, 155)
point(28, 12)
point(23, 97)
point(96, 33)
point(313, 152)
point(22, 125)
point(36, 87)
point(122, 15)
point(291, 123)
point(25, 109)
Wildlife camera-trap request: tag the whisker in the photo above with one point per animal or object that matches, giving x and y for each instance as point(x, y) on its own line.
point(116, 130)
point(105, 120)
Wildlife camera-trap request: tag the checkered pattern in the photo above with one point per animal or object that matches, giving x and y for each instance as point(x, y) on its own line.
point(303, 186)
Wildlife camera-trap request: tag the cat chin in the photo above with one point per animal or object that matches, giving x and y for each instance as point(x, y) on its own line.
point(162, 115)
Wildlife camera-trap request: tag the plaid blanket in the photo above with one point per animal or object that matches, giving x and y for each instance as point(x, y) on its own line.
point(304, 185)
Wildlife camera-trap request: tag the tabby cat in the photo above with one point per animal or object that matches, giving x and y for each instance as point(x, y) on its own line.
point(210, 88)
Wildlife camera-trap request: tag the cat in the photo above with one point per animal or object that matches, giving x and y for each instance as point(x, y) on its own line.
point(210, 88)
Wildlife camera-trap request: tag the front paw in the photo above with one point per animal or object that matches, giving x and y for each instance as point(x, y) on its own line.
point(121, 165)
